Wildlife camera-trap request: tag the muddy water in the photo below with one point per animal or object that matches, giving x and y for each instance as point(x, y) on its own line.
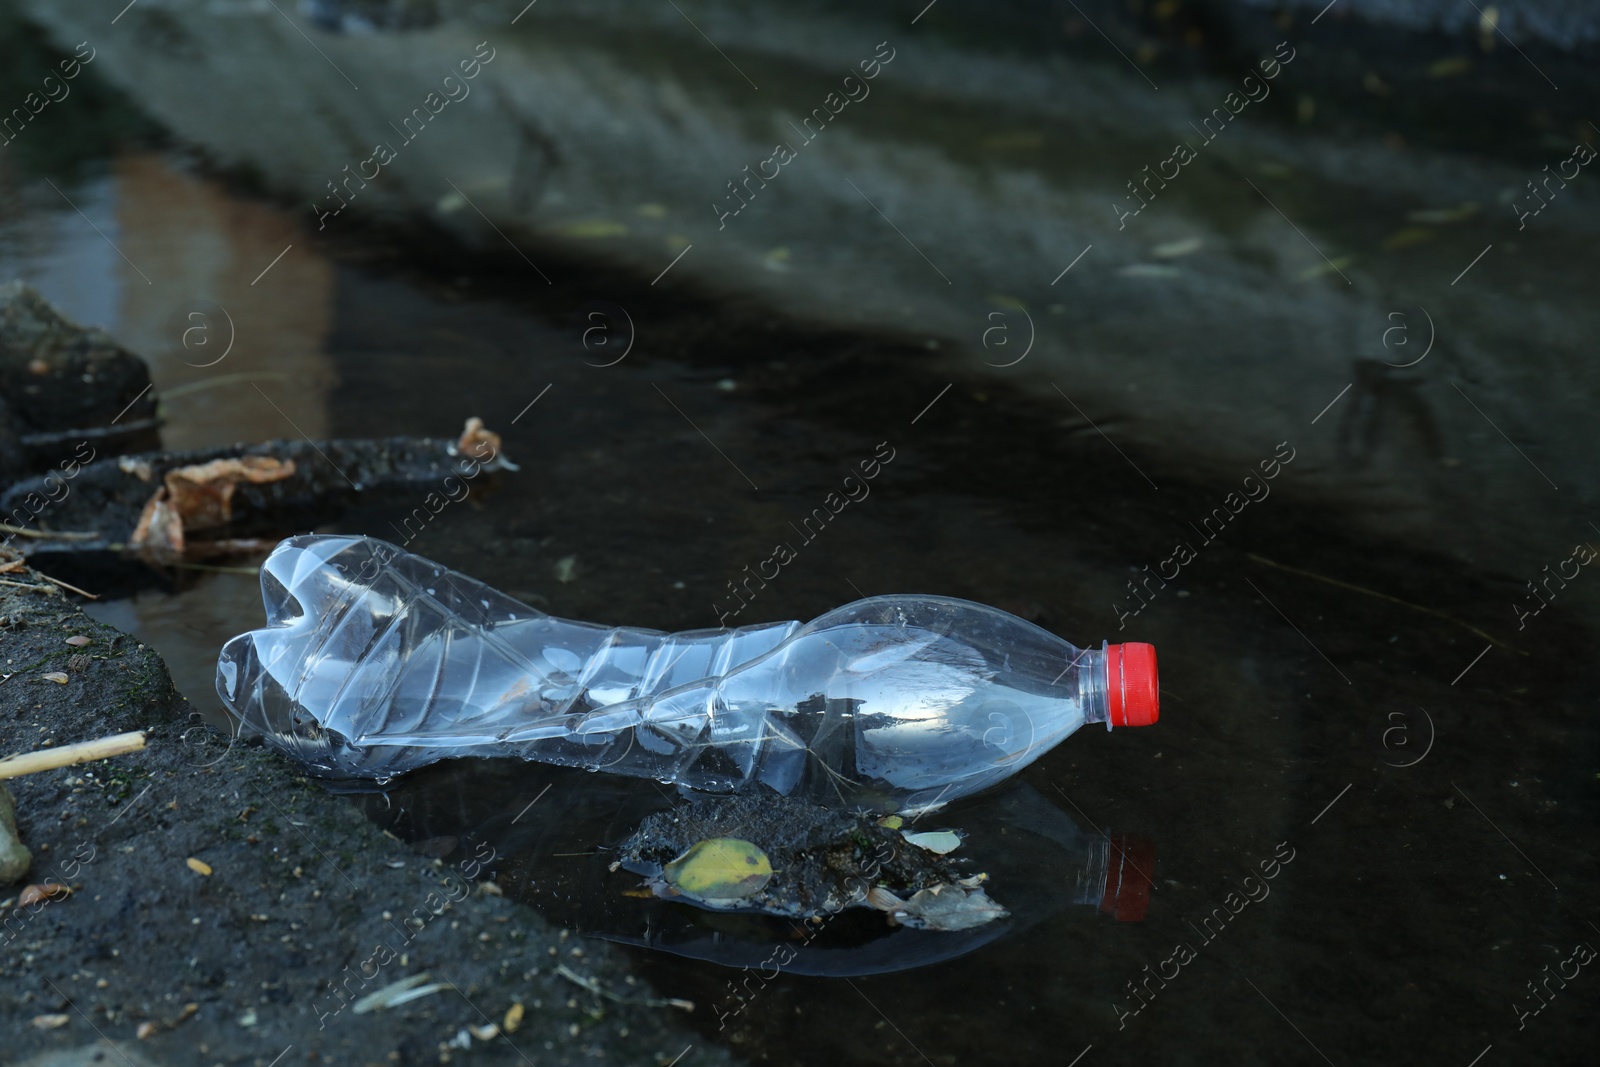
point(1360, 716)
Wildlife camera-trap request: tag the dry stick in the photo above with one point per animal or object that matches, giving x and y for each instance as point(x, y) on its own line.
point(47, 535)
point(66, 585)
point(48, 759)
point(1382, 596)
point(25, 585)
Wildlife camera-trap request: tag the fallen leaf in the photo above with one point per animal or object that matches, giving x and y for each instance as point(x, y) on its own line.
point(566, 568)
point(50, 1022)
point(77, 642)
point(200, 867)
point(484, 1032)
point(936, 841)
point(891, 822)
point(58, 677)
point(37, 894)
point(145, 1030)
point(203, 494)
point(720, 868)
point(513, 1018)
point(139, 468)
point(948, 907)
point(199, 497)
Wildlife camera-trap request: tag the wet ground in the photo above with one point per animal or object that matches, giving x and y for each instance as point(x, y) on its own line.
point(1356, 712)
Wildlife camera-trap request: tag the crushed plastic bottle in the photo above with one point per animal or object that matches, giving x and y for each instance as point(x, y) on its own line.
point(376, 661)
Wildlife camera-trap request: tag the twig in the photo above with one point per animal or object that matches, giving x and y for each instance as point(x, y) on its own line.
point(47, 535)
point(48, 759)
point(593, 985)
point(1382, 596)
point(25, 585)
point(66, 585)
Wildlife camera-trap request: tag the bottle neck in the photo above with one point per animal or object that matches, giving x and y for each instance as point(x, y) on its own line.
point(1092, 694)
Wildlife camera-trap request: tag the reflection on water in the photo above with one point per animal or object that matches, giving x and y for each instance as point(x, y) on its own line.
point(172, 267)
point(558, 831)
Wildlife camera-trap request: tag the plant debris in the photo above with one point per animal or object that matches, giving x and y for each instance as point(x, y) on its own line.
point(198, 497)
point(797, 859)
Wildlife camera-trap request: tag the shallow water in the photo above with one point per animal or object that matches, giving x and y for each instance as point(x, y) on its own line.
point(1356, 705)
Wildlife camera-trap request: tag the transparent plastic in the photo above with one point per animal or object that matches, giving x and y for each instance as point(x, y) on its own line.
point(376, 661)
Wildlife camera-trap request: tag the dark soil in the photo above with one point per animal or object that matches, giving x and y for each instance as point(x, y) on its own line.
point(242, 911)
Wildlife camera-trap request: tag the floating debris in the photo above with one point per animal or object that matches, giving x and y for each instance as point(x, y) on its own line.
point(797, 859)
point(198, 497)
point(939, 842)
point(200, 867)
point(943, 907)
point(719, 871)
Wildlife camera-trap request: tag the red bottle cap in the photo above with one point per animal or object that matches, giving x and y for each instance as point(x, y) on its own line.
point(1131, 688)
point(1128, 873)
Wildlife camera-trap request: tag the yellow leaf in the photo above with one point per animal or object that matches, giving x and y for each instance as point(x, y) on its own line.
point(722, 868)
point(200, 867)
point(513, 1018)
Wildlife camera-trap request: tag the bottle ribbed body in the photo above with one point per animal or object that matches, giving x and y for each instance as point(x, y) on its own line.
point(376, 661)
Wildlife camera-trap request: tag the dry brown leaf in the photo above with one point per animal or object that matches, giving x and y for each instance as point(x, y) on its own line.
point(203, 494)
point(38, 894)
point(475, 434)
point(199, 498)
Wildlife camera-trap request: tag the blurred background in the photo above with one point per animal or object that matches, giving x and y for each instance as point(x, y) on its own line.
point(1083, 266)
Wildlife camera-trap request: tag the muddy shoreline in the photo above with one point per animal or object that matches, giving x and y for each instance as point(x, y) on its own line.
point(306, 908)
